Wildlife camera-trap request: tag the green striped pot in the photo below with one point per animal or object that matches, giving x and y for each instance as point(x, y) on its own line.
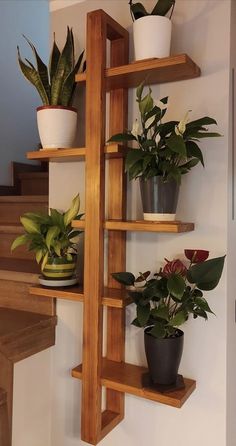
point(60, 268)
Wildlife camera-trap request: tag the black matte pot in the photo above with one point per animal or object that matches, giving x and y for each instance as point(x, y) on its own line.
point(163, 357)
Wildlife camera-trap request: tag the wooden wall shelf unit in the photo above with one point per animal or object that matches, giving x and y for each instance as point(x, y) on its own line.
point(124, 377)
point(110, 372)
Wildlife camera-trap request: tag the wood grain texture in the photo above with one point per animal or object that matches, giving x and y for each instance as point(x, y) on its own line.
point(4, 421)
point(127, 378)
point(12, 207)
point(15, 295)
point(151, 71)
point(6, 383)
point(94, 239)
point(141, 225)
point(117, 209)
point(19, 270)
point(111, 297)
point(76, 154)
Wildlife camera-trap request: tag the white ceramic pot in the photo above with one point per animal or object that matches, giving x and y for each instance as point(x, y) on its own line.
point(152, 37)
point(56, 126)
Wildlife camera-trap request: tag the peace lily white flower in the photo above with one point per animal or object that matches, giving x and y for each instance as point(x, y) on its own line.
point(160, 104)
point(149, 121)
point(181, 127)
point(136, 128)
point(158, 138)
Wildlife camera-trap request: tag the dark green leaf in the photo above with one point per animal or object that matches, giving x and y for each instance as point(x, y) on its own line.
point(143, 313)
point(176, 285)
point(161, 312)
point(162, 7)
point(121, 137)
point(206, 274)
point(33, 77)
point(206, 120)
point(158, 331)
point(178, 319)
point(177, 144)
point(64, 67)
point(194, 151)
point(203, 304)
point(125, 278)
point(138, 10)
point(136, 323)
point(54, 58)
point(41, 67)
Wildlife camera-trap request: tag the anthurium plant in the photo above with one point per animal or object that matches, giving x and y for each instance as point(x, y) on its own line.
point(56, 83)
point(167, 299)
point(50, 235)
point(162, 7)
point(168, 149)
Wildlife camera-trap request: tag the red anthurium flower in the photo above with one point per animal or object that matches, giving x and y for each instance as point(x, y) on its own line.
point(196, 255)
point(174, 267)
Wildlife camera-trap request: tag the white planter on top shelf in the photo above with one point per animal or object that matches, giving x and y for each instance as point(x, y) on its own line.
point(152, 37)
point(56, 126)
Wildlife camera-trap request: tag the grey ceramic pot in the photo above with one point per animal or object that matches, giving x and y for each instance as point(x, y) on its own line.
point(159, 199)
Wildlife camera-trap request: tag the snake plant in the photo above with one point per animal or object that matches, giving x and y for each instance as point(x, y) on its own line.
point(162, 7)
point(56, 83)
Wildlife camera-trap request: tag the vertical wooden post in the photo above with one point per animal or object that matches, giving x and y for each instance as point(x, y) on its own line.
point(5, 436)
point(117, 210)
point(94, 237)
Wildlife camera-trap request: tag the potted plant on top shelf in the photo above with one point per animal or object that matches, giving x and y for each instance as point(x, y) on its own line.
point(52, 239)
point(165, 302)
point(166, 151)
point(152, 31)
point(57, 119)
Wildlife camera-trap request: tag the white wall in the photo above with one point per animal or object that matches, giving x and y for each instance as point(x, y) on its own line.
point(201, 29)
point(18, 132)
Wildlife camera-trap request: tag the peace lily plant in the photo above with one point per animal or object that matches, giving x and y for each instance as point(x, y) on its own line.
point(50, 236)
point(166, 300)
point(168, 149)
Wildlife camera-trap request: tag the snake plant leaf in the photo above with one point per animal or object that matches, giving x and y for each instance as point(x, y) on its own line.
point(31, 74)
point(138, 10)
point(64, 67)
point(41, 67)
point(19, 241)
point(162, 7)
point(69, 84)
point(54, 59)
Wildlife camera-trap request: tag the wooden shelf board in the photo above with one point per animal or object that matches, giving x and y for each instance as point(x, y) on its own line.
point(112, 297)
point(75, 154)
point(141, 225)
point(127, 378)
point(151, 71)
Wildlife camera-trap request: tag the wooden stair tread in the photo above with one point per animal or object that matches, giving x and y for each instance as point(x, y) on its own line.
point(14, 322)
point(23, 199)
point(19, 265)
point(22, 333)
point(124, 377)
point(11, 228)
point(32, 175)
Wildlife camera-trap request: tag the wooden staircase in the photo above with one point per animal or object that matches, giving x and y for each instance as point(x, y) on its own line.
point(27, 323)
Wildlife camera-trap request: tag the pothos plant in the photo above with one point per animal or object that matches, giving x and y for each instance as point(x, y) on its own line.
point(162, 7)
point(56, 83)
point(166, 149)
point(166, 300)
point(50, 235)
